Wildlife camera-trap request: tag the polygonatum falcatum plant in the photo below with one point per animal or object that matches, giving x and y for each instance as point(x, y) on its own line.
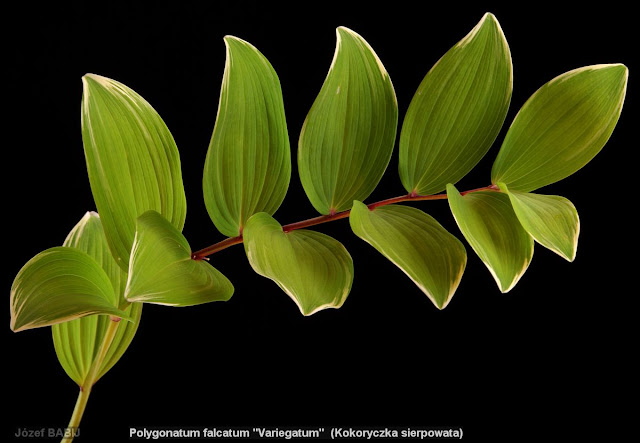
point(91, 289)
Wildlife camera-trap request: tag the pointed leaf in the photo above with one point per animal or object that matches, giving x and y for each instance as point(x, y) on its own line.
point(489, 224)
point(416, 243)
point(77, 342)
point(132, 160)
point(248, 163)
point(315, 270)
point(58, 285)
point(457, 111)
point(161, 270)
point(348, 136)
point(561, 127)
point(551, 220)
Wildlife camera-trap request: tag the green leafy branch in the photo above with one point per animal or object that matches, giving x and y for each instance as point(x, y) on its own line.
point(231, 241)
point(91, 289)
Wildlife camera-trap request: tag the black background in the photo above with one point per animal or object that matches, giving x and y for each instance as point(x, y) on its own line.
point(552, 356)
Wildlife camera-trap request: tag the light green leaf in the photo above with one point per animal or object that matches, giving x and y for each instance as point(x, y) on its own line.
point(416, 243)
point(248, 165)
point(551, 220)
point(561, 127)
point(132, 160)
point(88, 236)
point(457, 111)
point(161, 270)
point(348, 136)
point(77, 342)
point(489, 224)
point(315, 270)
point(58, 285)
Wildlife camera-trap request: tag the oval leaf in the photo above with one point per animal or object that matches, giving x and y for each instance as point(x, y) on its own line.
point(561, 127)
point(492, 229)
point(248, 165)
point(58, 285)
point(348, 136)
point(457, 111)
point(417, 244)
point(162, 271)
point(315, 270)
point(551, 220)
point(132, 160)
point(77, 342)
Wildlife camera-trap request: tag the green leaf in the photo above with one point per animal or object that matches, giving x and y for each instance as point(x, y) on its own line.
point(161, 270)
point(417, 244)
point(58, 285)
point(88, 236)
point(248, 165)
point(315, 270)
point(457, 111)
point(551, 220)
point(489, 224)
point(348, 136)
point(561, 127)
point(132, 160)
point(77, 342)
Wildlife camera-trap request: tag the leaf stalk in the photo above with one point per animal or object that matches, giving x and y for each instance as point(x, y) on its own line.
point(90, 380)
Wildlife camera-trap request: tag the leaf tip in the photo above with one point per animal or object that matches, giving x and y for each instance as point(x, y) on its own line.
point(619, 70)
point(231, 41)
point(451, 189)
point(94, 79)
point(228, 292)
point(89, 76)
point(487, 20)
point(505, 284)
point(231, 38)
point(344, 30)
point(569, 254)
point(623, 70)
point(89, 215)
point(620, 67)
point(490, 17)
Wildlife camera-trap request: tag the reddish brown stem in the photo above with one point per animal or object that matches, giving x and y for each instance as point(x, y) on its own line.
point(224, 244)
point(203, 253)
